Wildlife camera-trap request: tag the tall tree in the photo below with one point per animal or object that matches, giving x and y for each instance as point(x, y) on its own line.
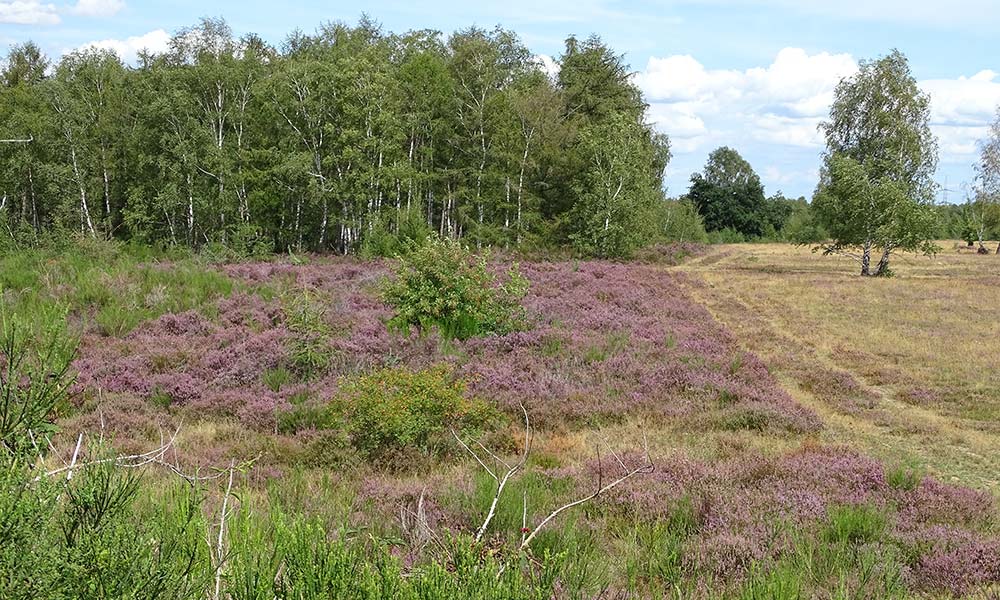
point(618, 192)
point(876, 189)
point(728, 194)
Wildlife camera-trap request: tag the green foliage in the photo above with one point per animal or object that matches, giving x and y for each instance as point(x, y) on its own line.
point(462, 134)
point(396, 234)
point(309, 348)
point(681, 222)
point(802, 227)
point(904, 477)
point(88, 538)
point(392, 412)
point(859, 211)
point(109, 286)
point(276, 378)
point(443, 285)
point(34, 380)
point(876, 187)
point(728, 194)
point(854, 524)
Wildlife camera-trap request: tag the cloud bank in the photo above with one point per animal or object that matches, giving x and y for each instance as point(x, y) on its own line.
point(779, 106)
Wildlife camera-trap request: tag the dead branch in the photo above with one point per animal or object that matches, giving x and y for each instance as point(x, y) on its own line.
point(26, 140)
point(645, 468)
point(130, 461)
point(503, 479)
point(220, 543)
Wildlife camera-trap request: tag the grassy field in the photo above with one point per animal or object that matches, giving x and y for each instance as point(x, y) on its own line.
point(810, 434)
point(906, 368)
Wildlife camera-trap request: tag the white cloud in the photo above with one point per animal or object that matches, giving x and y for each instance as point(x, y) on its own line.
point(128, 49)
point(98, 8)
point(781, 103)
point(964, 101)
point(28, 12)
point(956, 13)
point(548, 64)
point(772, 112)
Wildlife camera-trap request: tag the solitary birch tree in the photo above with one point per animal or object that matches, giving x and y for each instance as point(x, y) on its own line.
point(876, 190)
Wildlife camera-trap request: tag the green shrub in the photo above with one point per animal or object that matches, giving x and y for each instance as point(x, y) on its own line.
point(904, 477)
point(444, 285)
point(35, 379)
point(392, 235)
point(276, 378)
point(396, 411)
point(309, 348)
point(854, 524)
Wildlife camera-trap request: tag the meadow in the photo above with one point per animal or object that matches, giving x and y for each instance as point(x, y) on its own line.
point(775, 427)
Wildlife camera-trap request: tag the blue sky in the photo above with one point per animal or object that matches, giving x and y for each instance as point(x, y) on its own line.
point(752, 74)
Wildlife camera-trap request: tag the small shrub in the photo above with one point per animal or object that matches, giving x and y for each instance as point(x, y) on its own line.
point(161, 398)
point(396, 410)
point(747, 419)
point(854, 524)
point(276, 378)
point(310, 352)
point(904, 477)
point(301, 417)
point(35, 378)
point(442, 284)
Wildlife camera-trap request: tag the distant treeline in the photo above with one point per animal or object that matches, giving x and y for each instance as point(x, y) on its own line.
point(347, 140)
point(355, 140)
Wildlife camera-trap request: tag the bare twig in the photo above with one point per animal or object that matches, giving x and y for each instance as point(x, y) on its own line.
point(646, 467)
point(76, 452)
point(220, 542)
point(126, 460)
point(501, 480)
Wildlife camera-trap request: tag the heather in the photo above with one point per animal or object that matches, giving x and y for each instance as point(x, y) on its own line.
point(339, 451)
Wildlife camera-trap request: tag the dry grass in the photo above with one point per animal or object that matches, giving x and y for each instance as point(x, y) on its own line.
point(921, 347)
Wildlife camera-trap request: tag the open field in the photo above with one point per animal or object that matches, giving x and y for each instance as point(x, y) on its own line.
point(905, 368)
point(808, 437)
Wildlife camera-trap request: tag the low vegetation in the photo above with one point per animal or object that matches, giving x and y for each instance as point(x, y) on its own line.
point(648, 452)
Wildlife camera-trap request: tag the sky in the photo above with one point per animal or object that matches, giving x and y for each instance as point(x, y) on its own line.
point(755, 75)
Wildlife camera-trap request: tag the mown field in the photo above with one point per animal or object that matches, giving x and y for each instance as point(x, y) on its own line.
point(795, 431)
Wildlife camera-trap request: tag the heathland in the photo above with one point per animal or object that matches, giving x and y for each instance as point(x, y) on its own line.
point(758, 422)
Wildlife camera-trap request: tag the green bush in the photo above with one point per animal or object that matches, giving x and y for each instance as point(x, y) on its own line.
point(442, 284)
point(390, 236)
point(35, 379)
point(904, 477)
point(681, 222)
point(854, 524)
point(309, 348)
point(396, 411)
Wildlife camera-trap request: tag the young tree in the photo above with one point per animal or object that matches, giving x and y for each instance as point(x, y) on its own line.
point(729, 194)
point(876, 190)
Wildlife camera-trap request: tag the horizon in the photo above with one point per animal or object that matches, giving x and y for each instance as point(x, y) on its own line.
point(754, 75)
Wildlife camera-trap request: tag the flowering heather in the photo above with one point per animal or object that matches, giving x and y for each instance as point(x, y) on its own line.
point(609, 340)
point(747, 508)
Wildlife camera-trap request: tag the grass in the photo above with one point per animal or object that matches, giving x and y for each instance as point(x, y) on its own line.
point(107, 287)
point(738, 506)
point(921, 343)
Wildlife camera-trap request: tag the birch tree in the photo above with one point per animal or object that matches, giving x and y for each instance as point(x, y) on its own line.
point(876, 189)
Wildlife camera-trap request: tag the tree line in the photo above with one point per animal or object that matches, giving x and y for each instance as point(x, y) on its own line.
point(348, 139)
point(353, 139)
